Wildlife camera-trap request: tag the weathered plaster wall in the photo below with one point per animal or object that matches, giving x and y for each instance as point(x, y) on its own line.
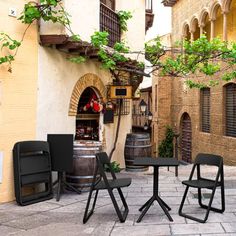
point(17, 94)
point(135, 36)
point(56, 84)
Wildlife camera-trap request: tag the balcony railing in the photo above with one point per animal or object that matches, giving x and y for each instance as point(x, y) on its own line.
point(109, 22)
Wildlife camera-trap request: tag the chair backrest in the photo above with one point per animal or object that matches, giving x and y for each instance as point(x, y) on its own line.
point(209, 159)
point(28, 147)
point(102, 160)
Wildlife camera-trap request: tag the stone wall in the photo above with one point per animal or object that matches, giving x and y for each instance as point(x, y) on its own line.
point(182, 99)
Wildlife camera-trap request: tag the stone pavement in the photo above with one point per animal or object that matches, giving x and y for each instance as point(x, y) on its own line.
point(65, 217)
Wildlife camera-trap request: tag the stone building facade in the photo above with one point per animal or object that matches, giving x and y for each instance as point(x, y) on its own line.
point(203, 118)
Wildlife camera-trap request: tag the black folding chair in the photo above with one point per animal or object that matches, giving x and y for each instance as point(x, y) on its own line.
point(205, 183)
point(109, 184)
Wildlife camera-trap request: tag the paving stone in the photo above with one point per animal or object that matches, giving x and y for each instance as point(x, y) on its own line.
point(216, 217)
point(29, 222)
point(197, 228)
point(229, 227)
point(141, 230)
point(78, 207)
point(224, 234)
point(5, 230)
point(66, 216)
point(62, 229)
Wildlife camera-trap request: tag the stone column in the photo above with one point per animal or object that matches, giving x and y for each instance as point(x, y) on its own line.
point(225, 26)
point(192, 36)
point(212, 28)
point(201, 29)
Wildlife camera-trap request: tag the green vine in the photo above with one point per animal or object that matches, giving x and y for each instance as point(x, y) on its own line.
point(124, 16)
point(10, 46)
point(198, 57)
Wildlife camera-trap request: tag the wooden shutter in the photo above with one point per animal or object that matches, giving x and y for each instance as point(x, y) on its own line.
point(205, 110)
point(230, 110)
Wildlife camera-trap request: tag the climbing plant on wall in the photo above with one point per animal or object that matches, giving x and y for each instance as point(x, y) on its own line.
point(53, 11)
point(198, 57)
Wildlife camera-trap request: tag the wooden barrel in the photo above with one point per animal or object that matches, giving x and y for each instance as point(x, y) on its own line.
point(84, 164)
point(136, 145)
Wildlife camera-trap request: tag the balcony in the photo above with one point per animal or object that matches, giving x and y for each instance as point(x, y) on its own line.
point(169, 3)
point(109, 22)
point(149, 15)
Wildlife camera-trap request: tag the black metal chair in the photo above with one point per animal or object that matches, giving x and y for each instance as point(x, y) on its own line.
point(205, 183)
point(110, 184)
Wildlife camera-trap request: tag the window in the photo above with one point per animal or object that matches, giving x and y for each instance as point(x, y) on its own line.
point(230, 110)
point(205, 109)
point(109, 3)
point(109, 21)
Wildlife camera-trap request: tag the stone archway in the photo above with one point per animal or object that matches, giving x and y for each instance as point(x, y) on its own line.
point(88, 80)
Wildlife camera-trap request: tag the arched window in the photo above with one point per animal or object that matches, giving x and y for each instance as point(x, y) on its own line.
point(205, 22)
point(205, 109)
point(195, 29)
point(186, 32)
point(230, 110)
point(218, 22)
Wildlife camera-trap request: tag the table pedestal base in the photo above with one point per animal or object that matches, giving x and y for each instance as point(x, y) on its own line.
point(147, 205)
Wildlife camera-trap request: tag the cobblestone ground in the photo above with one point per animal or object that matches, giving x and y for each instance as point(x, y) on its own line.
point(65, 217)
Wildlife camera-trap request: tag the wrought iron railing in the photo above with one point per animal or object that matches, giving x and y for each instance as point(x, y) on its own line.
point(109, 22)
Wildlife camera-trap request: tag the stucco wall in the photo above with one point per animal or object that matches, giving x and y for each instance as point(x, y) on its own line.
point(17, 94)
point(56, 83)
point(135, 36)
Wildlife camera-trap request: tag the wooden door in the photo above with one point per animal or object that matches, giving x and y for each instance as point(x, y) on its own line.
point(186, 138)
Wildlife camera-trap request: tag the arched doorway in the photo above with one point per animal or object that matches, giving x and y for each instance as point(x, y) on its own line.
point(88, 113)
point(186, 138)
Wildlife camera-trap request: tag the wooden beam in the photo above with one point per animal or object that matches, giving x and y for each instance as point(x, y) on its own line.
point(53, 39)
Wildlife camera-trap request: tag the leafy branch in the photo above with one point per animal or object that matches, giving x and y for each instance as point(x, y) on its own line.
point(124, 16)
point(10, 45)
point(201, 57)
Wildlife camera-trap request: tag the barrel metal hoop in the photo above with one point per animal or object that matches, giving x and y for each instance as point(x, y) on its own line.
point(140, 146)
point(79, 177)
point(134, 140)
point(84, 156)
point(86, 148)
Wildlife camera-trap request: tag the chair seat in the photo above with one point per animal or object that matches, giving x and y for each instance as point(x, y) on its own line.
point(116, 183)
point(201, 183)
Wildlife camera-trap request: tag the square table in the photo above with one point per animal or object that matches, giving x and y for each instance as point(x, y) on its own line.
point(156, 163)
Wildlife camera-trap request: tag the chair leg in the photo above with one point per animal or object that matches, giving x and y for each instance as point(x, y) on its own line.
point(121, 215)
point(88, 213)
point(219, 210)
point(181, 207)
point(208, 208)
point(126, 209)
point(182, 201)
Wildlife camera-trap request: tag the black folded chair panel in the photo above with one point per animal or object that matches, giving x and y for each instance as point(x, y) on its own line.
point(205, 183)
point(110, 185)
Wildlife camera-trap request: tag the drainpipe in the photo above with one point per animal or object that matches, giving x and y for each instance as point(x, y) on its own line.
point(117, 129)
